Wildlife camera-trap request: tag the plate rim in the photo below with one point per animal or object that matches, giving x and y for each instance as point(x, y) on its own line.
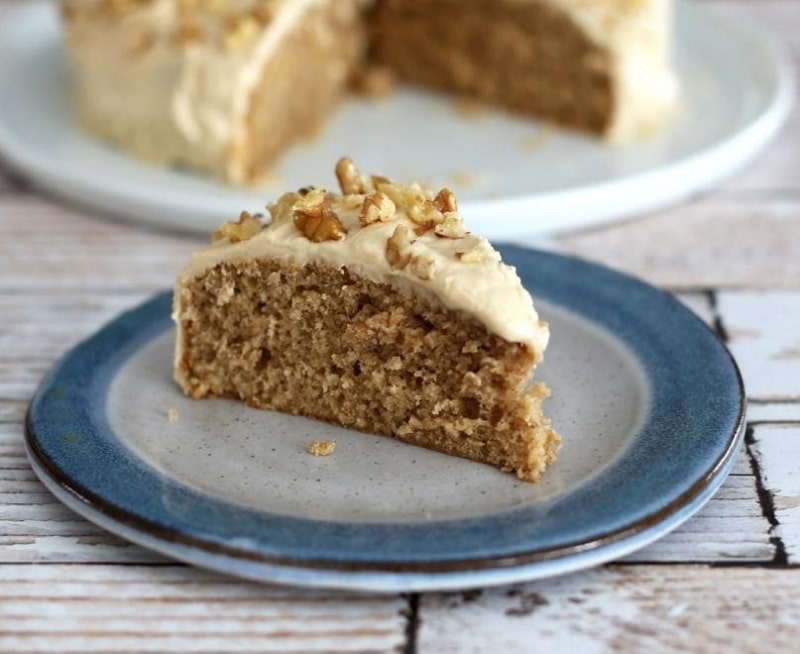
point(399, 575)
point(594, 203)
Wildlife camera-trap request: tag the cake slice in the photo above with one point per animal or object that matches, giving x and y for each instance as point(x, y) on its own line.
point(374, 309)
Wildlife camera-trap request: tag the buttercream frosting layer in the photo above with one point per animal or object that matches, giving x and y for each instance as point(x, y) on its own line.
point(413, 244)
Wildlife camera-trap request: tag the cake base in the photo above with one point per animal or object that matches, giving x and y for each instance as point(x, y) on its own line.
point(329, 344)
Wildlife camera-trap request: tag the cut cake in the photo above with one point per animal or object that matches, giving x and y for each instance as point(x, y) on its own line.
point(226, 85)
point(374, 309)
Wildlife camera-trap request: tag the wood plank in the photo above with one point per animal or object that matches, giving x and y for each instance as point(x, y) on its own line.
point(734, 243)
point(46, 248)
point(773, 411)
point(178, 609)
point(731, 527)
point(621, 609)
point(763, 331)
point(41, 327)
point(777, 448)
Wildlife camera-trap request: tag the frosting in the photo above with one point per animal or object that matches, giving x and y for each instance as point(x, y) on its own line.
point(188, 70)
point(462, 271)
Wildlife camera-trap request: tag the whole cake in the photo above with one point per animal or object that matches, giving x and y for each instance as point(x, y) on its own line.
point(374, 309)
point(226, 85)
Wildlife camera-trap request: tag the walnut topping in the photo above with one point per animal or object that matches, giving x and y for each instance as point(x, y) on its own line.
point(246, 228)
point(350, 179)
point(321, 448)
point(445, 201)
point(318, 222)
point(470, 250)
point(471, 256)
point(422, 266)
point(283, 209)
point(451, 226)
point(398, 247)
point(377, 207)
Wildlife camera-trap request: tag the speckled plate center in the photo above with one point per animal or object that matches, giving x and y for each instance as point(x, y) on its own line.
point(259, 458)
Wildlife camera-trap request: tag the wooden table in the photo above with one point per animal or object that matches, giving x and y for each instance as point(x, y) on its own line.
point(727, 581)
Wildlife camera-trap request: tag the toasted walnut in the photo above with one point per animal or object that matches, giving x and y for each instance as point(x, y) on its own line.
point(310, 198)
point(398, 247)
point(422, 266)
point(319, 223)
point(445, 201)
point(246, 228)
point(471, 256)
point(470, 250)
point(378, 181)
point(321, 448)
point(353, 201)
point(283, 209)
point(350, 179)
point(451, 227)
point(377, 207)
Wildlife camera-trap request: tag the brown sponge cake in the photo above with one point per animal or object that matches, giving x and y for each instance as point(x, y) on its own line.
point(373, 309)
point(226, 86)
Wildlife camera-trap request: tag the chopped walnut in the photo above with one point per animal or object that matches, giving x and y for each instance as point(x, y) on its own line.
point(470, 250)
point(445, 201)
point(246, 228)
point(172, 415)
point(283, 209)
point(350, 179)
point(310, 198)
point(451, 227)
point(377, 207)
point(378, 181)
point(398, 247)
point(319, 223)
point(321, 448)
point(422, 266)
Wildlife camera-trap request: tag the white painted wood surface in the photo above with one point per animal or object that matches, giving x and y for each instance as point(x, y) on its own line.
point(726, 581)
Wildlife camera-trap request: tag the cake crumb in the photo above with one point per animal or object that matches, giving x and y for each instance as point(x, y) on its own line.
point(172, 415)
point(321, 448)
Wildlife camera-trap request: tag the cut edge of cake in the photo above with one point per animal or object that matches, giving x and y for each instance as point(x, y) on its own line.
point(373, 309)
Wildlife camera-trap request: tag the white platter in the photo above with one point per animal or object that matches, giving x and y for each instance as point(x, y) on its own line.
point(514, 177)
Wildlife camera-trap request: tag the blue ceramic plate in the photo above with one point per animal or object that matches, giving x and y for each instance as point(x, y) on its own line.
point(649, 402)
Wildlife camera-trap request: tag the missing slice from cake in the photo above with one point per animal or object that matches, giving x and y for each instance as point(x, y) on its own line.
point(374, 309)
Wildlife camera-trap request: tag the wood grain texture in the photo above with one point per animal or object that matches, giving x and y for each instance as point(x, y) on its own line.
point(763, 329)
point(622, 609)
point(102, 608)
point(777, 448)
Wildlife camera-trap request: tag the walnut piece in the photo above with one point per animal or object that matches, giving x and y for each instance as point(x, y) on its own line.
point(319, 223)
point(445, 201)
point(377, 207)
point(321, 448)
point(398, 247)
point(451, 226)
point(283, 209)
point(246, 228)
point(350, 179)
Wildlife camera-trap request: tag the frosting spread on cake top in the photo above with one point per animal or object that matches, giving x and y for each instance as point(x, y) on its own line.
point(387, 232)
